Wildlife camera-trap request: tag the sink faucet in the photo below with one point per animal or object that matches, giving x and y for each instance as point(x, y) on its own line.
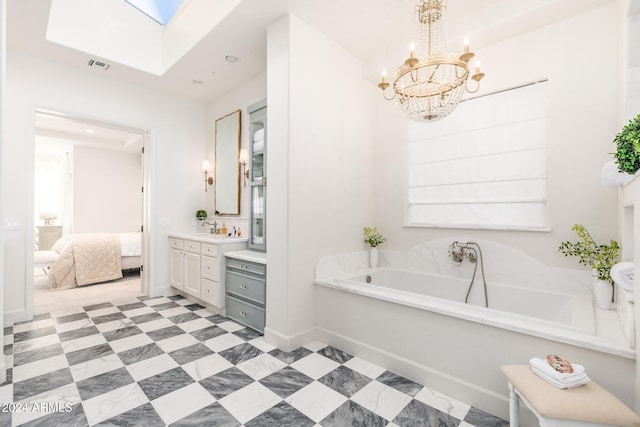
point(214, 229)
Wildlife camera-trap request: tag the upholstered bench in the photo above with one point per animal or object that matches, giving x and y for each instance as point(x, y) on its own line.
point(588, 405)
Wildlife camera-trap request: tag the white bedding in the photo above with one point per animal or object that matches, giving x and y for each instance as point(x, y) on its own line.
point(93, 258)
point(130, 243)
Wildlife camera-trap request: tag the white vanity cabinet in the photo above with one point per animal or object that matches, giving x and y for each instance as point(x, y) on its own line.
point(197, 265)
point(185, 265)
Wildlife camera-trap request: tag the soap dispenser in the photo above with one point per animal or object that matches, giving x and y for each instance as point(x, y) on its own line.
point(223, 230)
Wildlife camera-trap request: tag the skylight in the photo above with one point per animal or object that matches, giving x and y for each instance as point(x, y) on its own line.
point(161, 11)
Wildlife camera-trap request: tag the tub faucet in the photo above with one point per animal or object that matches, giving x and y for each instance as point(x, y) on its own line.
point(472, 252)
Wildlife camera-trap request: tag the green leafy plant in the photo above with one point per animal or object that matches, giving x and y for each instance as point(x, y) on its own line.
point(201, 214)
point(372, 237)
point(628, 147)
point(599, 257)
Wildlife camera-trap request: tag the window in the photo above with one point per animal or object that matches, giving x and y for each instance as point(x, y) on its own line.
point(161, 11)
point(484, 166)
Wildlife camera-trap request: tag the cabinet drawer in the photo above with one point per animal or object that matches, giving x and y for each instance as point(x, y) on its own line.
point(245, 313)
point(210, 250)
point(210, 292)
point(176, 243)
point(248, 287)
point(249, 267)
point(210, 268)
point(190, 246)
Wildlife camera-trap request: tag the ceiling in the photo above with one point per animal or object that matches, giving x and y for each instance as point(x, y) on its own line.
point(85, 133)
point(375, 31)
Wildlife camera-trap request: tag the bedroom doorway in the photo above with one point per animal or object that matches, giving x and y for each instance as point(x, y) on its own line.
point(88, 178)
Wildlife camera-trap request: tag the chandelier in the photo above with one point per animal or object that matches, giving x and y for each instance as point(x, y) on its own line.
point(431, 81)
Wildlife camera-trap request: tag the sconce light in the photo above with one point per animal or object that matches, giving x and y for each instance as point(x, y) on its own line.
point(205, 168)
point(244, 160)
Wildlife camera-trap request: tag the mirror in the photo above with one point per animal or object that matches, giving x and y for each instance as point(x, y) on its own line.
point(227, 149)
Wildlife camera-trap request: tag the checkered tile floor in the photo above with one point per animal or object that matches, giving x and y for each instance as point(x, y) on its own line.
point(167, 361)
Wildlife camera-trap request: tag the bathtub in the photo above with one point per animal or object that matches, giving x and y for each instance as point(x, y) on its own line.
point(409, 316)
point(534, 311)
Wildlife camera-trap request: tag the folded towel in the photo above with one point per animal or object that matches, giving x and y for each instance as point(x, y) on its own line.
point(622, 274)
point(575, 382)
point(611, 175)
point(258, 146)
point(258, 135)
point(543, 366)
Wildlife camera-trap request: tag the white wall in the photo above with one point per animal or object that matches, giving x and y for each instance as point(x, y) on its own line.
point(580, 57)
point(236, 99)
point(107, 196)
point(173, 154)
point(319, 166)
point(3, 62)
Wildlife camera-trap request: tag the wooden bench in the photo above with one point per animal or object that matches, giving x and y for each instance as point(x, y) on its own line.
point(589, 405)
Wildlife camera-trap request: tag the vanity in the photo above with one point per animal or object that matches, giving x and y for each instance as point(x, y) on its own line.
point(197, 264)
point(246, 279)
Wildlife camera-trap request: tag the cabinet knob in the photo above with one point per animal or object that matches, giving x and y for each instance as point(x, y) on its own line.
point(243, 286)
point(243, 314)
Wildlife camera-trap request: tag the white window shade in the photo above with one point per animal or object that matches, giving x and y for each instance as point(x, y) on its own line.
point(485, 166)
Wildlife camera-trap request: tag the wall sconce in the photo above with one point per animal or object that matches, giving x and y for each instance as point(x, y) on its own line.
point(206, 166)
point(244, 160)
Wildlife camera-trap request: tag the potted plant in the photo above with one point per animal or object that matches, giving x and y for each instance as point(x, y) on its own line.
point(628, 147)
point(599, 257)
point(373, 238)
point(201, 214)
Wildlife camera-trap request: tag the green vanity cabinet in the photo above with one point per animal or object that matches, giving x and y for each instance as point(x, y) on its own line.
point(246, 292)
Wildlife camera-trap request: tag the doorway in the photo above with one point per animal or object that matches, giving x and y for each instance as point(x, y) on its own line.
point(89, 179)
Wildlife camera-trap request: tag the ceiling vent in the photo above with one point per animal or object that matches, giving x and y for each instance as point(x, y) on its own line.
point(98, 64)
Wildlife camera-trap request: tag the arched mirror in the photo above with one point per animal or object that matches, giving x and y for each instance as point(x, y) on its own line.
point(227, 148)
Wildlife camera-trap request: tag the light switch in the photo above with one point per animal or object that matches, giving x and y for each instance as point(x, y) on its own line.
point(13, 224)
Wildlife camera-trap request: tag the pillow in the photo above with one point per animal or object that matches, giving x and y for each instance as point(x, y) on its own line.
point(60, 244)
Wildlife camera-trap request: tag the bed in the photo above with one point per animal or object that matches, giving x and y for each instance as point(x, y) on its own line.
point(84, 259)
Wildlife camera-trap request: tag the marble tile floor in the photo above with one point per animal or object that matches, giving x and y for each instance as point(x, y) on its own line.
point(167, 361)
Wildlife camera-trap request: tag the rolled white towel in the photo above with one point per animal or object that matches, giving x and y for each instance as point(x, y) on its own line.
point(622, 273)
point(543, 366)
point(258, 146)
point(258, 135)
point(611, 175)
point(575, 382)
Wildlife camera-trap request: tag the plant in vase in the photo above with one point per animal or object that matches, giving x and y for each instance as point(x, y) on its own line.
point(201, 214)
point(599, 257)
point(373, 238)
point(628, 147)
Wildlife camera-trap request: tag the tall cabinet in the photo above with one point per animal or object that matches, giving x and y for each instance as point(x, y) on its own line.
point(257, 146)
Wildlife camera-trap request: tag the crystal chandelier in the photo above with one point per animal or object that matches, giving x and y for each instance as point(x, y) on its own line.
point(431, 81)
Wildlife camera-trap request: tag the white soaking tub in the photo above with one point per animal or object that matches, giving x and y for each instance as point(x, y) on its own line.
point(410, 317)
point(529, 309)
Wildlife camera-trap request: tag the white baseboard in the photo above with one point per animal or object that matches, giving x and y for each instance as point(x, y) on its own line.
point(289, 342)
point(161, 291)
point(15, 316)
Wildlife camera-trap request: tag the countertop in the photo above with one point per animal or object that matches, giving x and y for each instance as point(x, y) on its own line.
point(208, 238)
point(254, 256)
